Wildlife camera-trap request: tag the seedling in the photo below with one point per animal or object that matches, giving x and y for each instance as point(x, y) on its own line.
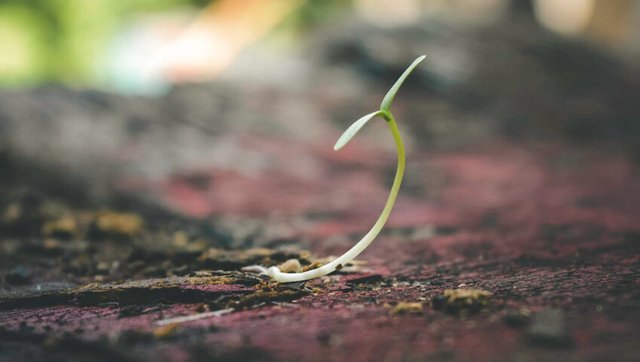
point(384, 112)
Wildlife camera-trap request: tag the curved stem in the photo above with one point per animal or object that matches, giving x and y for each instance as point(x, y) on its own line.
point(276, 274)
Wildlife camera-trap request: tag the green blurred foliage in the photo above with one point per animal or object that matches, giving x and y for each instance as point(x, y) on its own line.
point(22, 34)
point(63, 41)
point(60, 40)
point(314, 12)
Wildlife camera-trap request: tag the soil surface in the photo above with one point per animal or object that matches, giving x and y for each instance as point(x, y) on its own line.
point(516, 237)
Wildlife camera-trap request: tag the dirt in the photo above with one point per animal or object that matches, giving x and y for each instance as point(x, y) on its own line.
point(408, 308)
point(462, 301)
point(499, 275)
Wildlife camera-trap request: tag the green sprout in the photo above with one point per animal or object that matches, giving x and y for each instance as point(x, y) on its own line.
point(368, 238)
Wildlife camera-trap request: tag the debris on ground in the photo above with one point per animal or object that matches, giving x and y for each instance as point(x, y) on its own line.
point(462, 301)
point(408, 308)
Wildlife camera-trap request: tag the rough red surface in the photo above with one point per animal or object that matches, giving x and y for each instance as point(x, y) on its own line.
point(552, 231)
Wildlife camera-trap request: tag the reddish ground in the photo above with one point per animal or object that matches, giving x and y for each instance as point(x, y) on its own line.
point(551, 231)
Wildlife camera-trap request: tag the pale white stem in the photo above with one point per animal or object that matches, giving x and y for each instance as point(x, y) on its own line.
point(338, 263)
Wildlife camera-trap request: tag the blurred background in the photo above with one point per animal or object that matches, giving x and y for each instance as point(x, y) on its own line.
point(123, 94)
point(143, 46)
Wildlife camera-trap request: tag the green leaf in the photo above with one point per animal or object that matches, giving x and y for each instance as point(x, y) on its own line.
point(388, 98)
point(353, 129)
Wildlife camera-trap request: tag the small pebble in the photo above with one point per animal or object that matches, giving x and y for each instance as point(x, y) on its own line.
point(290, 266)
